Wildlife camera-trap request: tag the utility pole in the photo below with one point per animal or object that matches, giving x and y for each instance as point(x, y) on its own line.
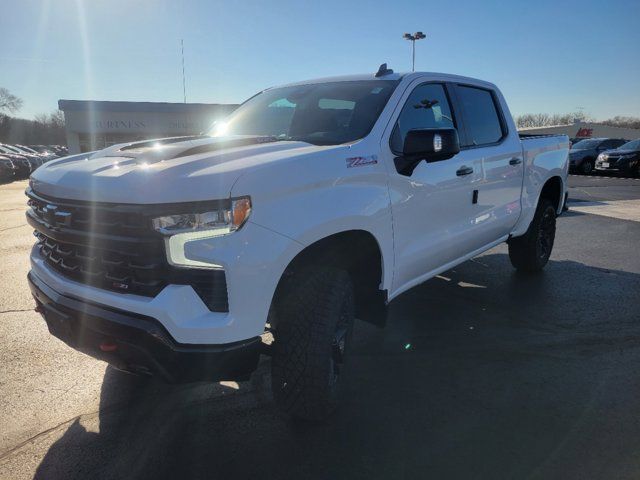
point(184, 85)
point(413, 37)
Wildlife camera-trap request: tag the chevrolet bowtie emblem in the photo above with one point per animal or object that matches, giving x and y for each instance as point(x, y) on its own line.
point(53, 216)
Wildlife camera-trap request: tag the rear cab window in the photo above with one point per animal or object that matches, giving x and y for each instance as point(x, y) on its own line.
point(482, 117)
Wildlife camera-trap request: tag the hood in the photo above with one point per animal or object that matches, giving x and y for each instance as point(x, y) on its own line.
point(617, 152)
point(170, 170)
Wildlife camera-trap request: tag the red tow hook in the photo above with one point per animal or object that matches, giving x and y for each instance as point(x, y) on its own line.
point(108, 346)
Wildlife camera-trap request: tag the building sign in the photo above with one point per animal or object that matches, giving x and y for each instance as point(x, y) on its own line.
point(158, 123)
point(585, 132)
point(119, 124)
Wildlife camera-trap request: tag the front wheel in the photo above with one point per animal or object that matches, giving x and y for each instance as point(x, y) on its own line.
point(312, 333)
point(531, 252)
point(587, 167)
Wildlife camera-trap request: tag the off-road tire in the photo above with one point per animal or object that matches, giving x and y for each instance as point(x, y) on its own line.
point(531, 252)
point(306, 367)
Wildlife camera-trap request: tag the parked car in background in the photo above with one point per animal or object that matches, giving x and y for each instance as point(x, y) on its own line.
point(59, 150)
point(26, 149)
point(11, 149)
point(43, 149)
point(624, 159)
point(34, 159)
point(23, 166)
point(7, 169)
point(583, 154)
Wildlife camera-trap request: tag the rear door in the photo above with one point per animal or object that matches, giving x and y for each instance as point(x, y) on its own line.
point(495, 148)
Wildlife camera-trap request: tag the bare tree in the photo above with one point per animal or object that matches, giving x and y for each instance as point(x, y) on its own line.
point(41, 118)
point(9, 102)
point(622, 121)
point(530, 120)
point(56, 119)
point(45, 129)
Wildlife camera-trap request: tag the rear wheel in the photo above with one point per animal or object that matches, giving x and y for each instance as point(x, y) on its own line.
point(531, 252)
point(312, 334)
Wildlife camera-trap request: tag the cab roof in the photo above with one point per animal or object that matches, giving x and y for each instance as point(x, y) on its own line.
point(409, 76)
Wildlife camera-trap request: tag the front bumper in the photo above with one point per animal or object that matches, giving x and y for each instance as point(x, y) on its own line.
point(138, 343)
point(6, 173)
point(625, 167)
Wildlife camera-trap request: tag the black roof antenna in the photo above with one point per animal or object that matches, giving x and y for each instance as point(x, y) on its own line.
point(383, 70)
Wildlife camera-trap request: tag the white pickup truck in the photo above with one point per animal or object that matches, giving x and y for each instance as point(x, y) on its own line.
point(312, 204)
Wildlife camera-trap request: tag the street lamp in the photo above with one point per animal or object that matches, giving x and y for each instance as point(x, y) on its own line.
point(413, 38)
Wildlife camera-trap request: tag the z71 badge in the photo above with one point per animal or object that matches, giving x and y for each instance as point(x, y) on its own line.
point(361, 161)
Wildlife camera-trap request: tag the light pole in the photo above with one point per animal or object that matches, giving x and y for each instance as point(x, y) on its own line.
point(413, 38)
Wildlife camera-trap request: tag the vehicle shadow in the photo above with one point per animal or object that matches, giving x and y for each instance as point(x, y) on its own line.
point(480, 373)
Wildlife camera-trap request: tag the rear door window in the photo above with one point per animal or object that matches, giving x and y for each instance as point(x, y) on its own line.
point(481, 117)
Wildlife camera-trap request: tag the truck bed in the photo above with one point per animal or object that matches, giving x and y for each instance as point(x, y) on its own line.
point(525, 136)
point(556, 146)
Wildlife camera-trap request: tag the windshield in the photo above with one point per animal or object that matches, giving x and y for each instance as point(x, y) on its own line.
point(11, 149)
point(632, 145)
point(321, 114)
point(586, 144)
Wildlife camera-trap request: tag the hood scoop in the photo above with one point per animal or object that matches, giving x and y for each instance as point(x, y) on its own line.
point(225, 144)
point(160, 143)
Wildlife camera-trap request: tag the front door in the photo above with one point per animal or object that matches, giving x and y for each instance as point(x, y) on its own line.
point(432, 208)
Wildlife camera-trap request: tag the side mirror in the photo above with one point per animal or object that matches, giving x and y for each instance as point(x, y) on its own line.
point(430, 144)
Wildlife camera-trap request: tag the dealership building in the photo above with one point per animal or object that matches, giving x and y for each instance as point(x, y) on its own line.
point(585, 130)
point(92, 125)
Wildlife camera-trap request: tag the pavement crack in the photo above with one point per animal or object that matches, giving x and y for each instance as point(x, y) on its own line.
point(6, 453)
point(17, 310)
point(12, 228)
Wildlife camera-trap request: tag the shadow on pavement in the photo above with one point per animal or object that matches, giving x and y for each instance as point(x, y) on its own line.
point(480, 373)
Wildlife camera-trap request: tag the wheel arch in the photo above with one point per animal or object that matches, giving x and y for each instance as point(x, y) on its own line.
point(553, 189)
point(360, 254)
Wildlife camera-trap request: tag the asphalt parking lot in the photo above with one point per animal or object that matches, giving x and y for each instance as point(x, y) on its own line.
point(480, 373)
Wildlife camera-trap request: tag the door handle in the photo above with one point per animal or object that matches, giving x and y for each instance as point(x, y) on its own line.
point(515, 161)
point(462, 171)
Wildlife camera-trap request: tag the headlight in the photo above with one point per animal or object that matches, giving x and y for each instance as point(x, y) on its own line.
point(225, 219)
point(181, 229)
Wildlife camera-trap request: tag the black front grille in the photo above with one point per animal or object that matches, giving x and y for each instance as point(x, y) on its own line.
point(136, 272)
point(113, 220)
point(114, 247)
